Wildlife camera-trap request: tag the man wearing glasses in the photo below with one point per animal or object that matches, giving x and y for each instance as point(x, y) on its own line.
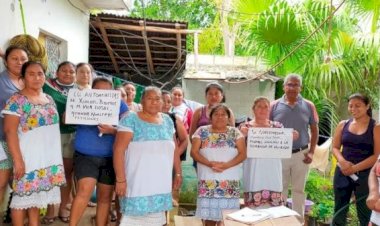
point(293, 111)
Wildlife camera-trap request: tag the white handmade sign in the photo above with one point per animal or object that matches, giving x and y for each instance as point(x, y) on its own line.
point(269, 142)
point(3, 156)
point(93, 106)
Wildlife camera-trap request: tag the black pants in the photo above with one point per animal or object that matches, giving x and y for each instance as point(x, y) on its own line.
point(343, 188)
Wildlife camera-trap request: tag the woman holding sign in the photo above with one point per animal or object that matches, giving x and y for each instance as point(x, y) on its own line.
point(31, 126)
point(262, 177)
point(219, 149)
point(93, 164)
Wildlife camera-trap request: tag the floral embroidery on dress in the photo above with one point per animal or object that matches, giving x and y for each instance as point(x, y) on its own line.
point(218, 140)
point(219, 188)
point(39, 180)
point(255, 199)
point(32, 116)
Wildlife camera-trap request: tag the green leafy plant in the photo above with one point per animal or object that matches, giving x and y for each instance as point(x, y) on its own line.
point(319, 189)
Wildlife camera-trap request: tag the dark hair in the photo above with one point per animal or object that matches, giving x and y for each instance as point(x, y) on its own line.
point(83, 64)
point(216, 86)
point(129, 83)
point(179, 88)
point(101, 79)
point(220, 106)
point(66, 63)
point(259, 99)
point(30, 63)
point(364, 99)
point(11, 48)
point(165, 92)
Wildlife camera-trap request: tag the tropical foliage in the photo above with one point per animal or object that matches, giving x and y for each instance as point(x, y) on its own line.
point(336, 55)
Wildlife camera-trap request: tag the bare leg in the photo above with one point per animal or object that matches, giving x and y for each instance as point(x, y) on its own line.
point(66, 190)
point(104, 197)
point(34, 216)
point(85, 188)
point(18, 216)
point(210, 223)
point(4, 179)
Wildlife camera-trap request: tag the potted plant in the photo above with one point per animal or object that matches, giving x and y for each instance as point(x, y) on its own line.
point(319, 189)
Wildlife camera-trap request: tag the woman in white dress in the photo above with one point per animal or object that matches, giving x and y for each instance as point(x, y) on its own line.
point(262, 177)
point(219, 149)
point(144, 156)
point(31, 127)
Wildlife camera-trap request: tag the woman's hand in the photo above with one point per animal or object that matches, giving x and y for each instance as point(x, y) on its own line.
point(177, 182)
point(106, 129)
point(372, 200)
point(18, 168)
point(244, 130)
point(121, 188)
point(296, 135)
point(219, 167)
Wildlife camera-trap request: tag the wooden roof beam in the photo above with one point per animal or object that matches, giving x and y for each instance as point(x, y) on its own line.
point(109, 48)
point(149, 60)
point(116, 26)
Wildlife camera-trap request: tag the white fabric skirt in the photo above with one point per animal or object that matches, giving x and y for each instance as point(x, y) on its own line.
point(153, 219)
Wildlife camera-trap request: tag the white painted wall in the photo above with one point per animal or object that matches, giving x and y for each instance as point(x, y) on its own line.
point(239, 96)
point(54, 17)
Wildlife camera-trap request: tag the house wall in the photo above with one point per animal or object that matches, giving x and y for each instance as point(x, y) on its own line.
point(239, 96)
point(53, 17)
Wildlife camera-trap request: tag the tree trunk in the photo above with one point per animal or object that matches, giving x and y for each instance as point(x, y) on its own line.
point(229, 33)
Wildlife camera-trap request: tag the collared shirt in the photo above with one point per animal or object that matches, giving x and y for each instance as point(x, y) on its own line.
point(298, 117)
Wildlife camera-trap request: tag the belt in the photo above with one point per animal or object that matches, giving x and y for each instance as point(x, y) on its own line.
point(295, 150)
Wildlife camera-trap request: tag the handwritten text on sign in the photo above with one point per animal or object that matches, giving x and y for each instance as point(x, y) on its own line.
point(269, 143)
point(93, 106)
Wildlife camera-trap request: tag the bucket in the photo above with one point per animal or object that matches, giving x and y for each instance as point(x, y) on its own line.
point(308, 204)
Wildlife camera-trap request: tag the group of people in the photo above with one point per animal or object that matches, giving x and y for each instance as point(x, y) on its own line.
point(140, 159)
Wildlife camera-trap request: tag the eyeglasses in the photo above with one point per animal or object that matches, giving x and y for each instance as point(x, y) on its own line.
point(292, 85)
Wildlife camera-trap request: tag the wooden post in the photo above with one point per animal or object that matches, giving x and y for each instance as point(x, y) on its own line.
point(107, 42)
point(148, 54)
point(179, 46)
point(196, 51)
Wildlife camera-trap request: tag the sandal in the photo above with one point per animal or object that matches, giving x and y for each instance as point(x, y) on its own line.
point(113, 215)
point(47, 220)
point(64, 219)
point(64, 216)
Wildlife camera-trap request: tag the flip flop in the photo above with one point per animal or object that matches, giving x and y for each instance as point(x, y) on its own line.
point(47, 220)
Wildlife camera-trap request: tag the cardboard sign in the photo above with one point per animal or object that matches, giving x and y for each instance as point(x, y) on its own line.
point(269, 142)
point(93, 106)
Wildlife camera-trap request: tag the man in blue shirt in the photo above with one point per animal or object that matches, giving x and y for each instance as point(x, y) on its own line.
point(293, 111)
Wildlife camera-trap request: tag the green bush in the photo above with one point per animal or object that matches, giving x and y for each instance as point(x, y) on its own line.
point(319, 189)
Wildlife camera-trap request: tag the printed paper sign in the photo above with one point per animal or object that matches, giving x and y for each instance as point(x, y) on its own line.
point(269, 142)
point(93, 106)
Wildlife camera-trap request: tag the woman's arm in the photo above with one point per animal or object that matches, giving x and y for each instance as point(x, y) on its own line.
point(194, 122)
point(373, 186)
point(11, 123)
point(240, 157)
point(195, 147)
point(182, 136)
point(177, 166)
point(120, 146)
